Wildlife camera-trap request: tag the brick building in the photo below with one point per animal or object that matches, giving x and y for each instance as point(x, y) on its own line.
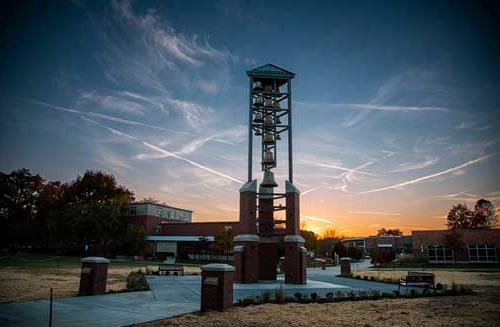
point(399, 244)
point(477, 245)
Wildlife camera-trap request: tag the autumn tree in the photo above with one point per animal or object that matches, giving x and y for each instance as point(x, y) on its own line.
point(461, 217)
point(312, 242)
point(389, 232)
point(453, 240)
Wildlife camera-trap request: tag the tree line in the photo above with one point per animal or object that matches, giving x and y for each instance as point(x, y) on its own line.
point(41, 215)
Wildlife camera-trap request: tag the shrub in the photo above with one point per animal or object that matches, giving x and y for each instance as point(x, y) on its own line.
point(365, 277)
point(298, 296)
point(439, 286)
point(372, 278)
point(329, 296)
point(382, 255)
point(376, 294)
point(339, 294)
point(314, 296)
point(358, 277)
point(279, 295)
point(413, 293)
point(136, 281)
point(266, 296)
point(351, 295)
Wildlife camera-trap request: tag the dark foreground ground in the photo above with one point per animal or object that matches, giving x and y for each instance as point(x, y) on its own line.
point(482, 309)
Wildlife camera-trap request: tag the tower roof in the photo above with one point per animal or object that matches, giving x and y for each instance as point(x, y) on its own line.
point(271, 71)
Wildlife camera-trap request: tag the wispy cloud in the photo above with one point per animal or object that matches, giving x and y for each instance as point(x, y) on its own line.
point(381, 213)
point(428, 177)
point(167, 153)
point(318, 219)
point(370, 106)
point(309, 191)
point(409, 166)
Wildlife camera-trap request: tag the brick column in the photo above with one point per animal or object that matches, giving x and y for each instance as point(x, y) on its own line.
point(93, 275)
point(268, 258)
point(266, 212)
point(247, 258)
point(216, 287)
point(248, 208)
point(292, 209)
point(295, 260)
point(345, 266)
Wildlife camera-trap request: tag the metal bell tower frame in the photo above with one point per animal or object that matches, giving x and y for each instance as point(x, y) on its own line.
point(260, 244)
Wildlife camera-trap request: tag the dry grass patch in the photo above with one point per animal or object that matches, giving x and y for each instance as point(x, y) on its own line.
point(19, 284)
point(466, 278)
point(481, 310)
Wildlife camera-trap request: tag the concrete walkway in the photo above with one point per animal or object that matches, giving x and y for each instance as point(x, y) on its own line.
point(169, 296)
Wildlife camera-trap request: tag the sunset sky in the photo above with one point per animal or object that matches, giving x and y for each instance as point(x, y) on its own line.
point(396, 104)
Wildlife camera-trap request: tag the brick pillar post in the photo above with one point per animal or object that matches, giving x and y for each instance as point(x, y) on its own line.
point(93, 275)
point(295, 259)
point(268, 258)
point(292, 209)
point(247, 258)
point(345, 266)
point(266, 212)
point(248, 208)
point(216, 287)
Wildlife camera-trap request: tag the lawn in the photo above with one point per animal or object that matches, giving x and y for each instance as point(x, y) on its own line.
point(472, 277)
point(482, 309)
point(24, 278)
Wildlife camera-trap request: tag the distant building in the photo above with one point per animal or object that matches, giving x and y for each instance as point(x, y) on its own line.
point(399, 244)
point(479, 245)
point(152, 215)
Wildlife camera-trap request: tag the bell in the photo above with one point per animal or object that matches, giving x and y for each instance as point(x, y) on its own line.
point(278, 137)
point(268, 120)
point(268, 88)
point(257, 86)
point(268, 180)
point(258, 102)
point(257, 132)
point(268, 139)
point(257, 118)
point(269, 103)
point(278, 120)
point(268, 158)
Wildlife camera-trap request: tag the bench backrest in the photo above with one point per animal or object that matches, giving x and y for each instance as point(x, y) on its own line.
point(170, 266)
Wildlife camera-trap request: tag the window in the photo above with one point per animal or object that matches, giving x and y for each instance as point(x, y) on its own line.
point(439, 253)
point(482, 252)
point(132, 211)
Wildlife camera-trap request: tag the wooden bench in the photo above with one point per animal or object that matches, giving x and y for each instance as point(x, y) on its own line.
point(417, 278)
point(168, 267)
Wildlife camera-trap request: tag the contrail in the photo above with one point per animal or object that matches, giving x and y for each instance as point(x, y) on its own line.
point(421, 179)
point(167, 153)
point(103, 116)
point(309, 191)
point(326, 221)
point(342, 168)
point(376, 213)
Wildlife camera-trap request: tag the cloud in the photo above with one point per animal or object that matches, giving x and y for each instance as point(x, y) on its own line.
point(428, 177)
point(309, 191)
point(318, 219)
point(381, 213)
point(167, 153)
point(409, 166)
point(331, 166)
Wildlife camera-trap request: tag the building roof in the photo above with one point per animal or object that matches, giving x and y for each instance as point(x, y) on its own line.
point(271, 71)
point(180, 238)
point(160, 205)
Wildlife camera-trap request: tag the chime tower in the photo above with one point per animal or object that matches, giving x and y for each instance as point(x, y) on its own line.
point(260, 241)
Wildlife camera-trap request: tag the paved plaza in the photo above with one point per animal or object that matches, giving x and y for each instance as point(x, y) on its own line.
point(169, 296)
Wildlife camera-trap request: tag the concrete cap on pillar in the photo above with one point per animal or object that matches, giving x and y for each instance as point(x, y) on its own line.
point(294, 238)
point(247, 238)
point(217, 267)
point(94, 260)
point(345, 259)
point(239, 248)
point(290, 188)
point(249, 186)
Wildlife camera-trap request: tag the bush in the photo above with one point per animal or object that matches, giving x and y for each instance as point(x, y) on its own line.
point(383, 255)
point(329, 296)
point(339, 294)
point(266, 297)
point(314, 296)
point(298, 296)
point(412, 258)
point(365, 277)
point(439, 286)
point(372, 278)
point(279, 295)
point(136, 281)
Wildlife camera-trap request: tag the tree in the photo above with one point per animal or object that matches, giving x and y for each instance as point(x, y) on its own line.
point(383, 255)
point(312, 242)
point(224, 241)
point(340, 249)
point(19, 195)
point(389, 232)
point(461, 217)
point(328, 239)
point(354, 253)
point(453, 240)
point(484, 214)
